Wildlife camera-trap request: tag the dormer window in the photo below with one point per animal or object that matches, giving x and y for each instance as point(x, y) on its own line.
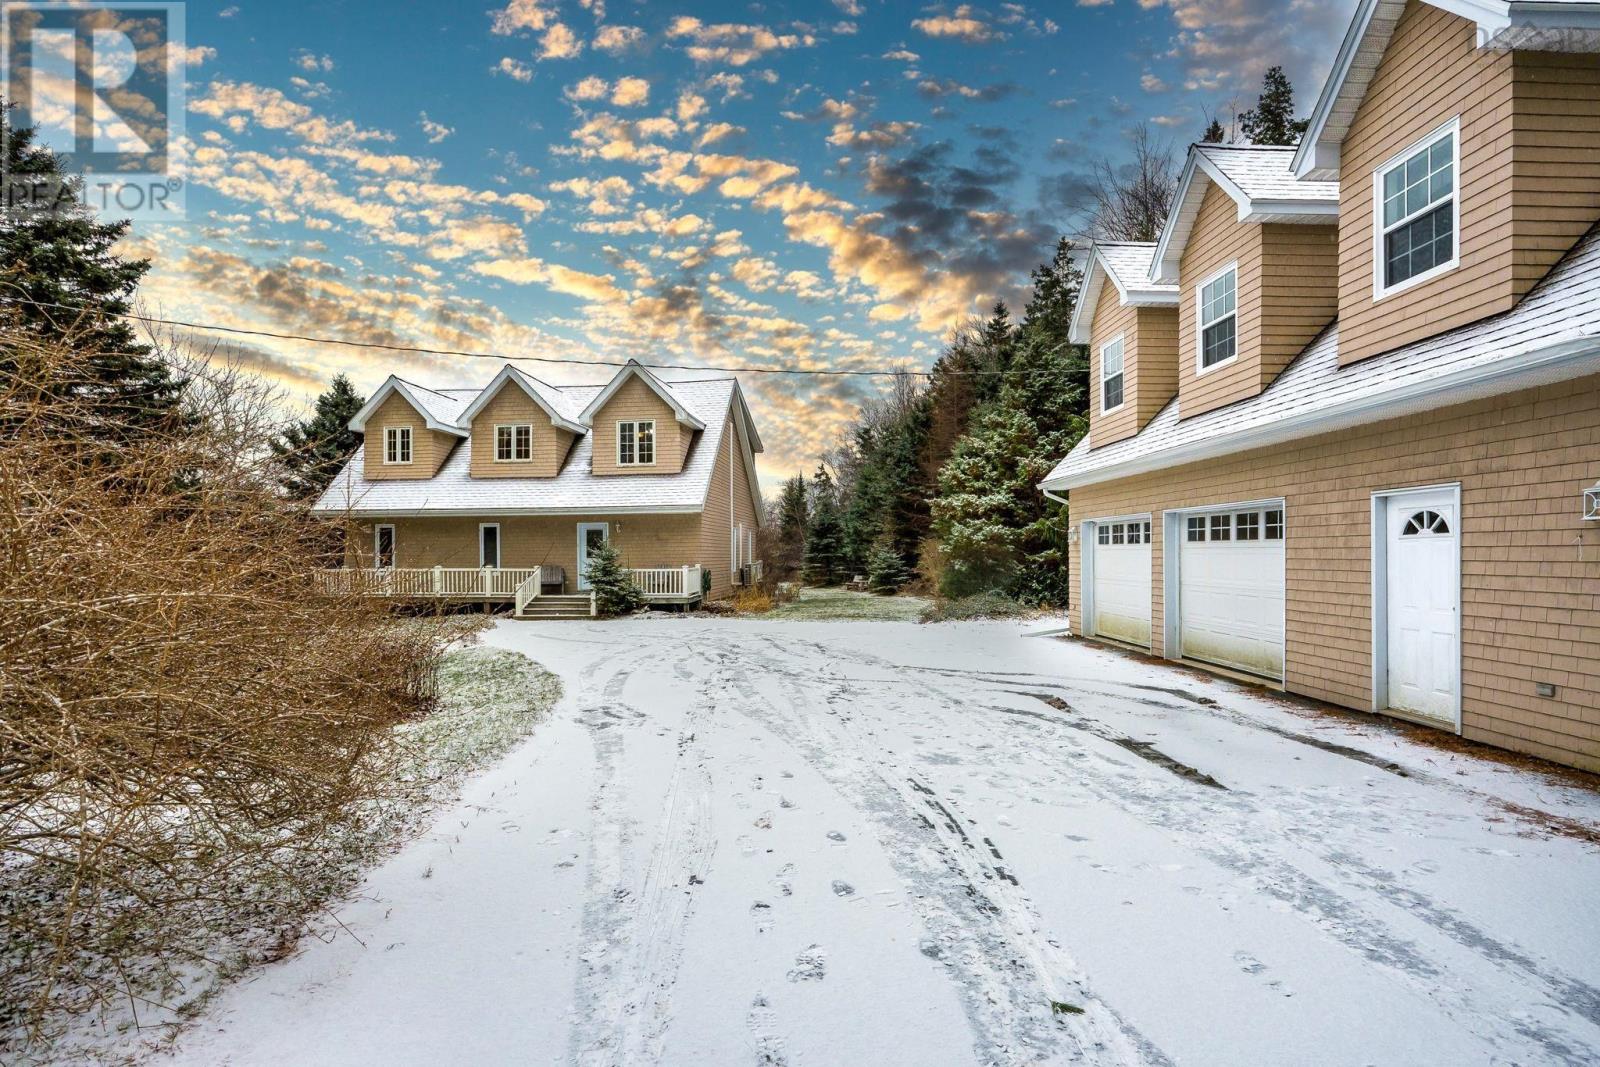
point(513, 444)
point(1418, 208)
point(1218, 309)
point(636, 443)
point(397, 444)
point(1111, 376)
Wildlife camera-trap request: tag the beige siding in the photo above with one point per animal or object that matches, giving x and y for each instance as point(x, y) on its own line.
point(1299, 291)
point(1529, 183)
point(429, 448)
point(1217, 239)
point(728, 503)
point(1530, 566)
point(1149, 364)
point(636, 400)
point(510, 407)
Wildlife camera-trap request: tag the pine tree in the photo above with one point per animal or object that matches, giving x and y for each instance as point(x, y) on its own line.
point(886, 571)
point(793, 515)
point(824, 533)
point(1272, 121)
point(614, 591)
point(313, 450)
point(60, 274)
point(1214, 134)
point(1046, 324)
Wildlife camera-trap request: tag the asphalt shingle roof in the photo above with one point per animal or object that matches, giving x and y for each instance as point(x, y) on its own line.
point(1262, 172)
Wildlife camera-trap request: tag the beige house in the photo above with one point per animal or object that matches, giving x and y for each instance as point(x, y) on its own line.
point(1345, 432)
point(500, 494)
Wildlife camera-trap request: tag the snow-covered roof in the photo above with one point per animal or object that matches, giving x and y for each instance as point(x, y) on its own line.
point(1555, 25)
point(1552, 335)
point(1126, 265)
point(545, 395)
point(715, 403)
point(439, 410)
point(1257, 178)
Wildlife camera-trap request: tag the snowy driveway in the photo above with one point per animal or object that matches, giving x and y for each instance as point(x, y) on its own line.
point(875, 843)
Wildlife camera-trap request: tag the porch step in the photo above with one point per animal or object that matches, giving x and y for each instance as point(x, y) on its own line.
point(567, 606)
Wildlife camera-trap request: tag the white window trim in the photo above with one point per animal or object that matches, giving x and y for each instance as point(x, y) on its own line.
point(411, 446)
point(1379, 290)
point(499, 545)
point(512, 426)
point(394, 545)
point(1119, 339)
point(1201, 323)
point(654, 443)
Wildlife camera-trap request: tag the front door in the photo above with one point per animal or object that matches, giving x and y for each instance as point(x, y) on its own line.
point(383, 546)
point(1424, 611)
point(489, 544)
point(591, 535)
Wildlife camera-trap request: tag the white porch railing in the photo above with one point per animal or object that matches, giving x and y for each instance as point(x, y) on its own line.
point(529, 589)
point(496, 582)
point(667, 583)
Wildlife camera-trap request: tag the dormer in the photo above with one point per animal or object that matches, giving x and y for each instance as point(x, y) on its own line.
point(1464, 146)
point(639, 426)
point(1254, 254)
point(517, 430)
point(1130, 326)
point(408, 431)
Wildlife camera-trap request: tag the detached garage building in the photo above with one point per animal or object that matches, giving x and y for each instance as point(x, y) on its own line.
point(1345, 427)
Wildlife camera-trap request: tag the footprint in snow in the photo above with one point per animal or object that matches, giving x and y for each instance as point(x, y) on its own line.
point(785, 802)
point(783, 881)
point(842, 888)
point(810, 965)
point(834, 835)
point(1248, 963)
point(765, 821)
point(761, 911)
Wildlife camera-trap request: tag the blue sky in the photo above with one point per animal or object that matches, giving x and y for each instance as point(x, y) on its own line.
point(833, 184)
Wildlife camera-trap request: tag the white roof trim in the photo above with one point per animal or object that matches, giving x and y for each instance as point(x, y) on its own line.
point(356, 512)
point(634, 368)
point(1128, 295)
point(510, 373)
point(393, 385)
point(1557, 360)
point(1197, 170)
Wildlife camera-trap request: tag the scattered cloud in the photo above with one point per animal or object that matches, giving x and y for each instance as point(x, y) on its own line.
point(313, 63)
point(522, 16)
point(618, 40)
point(559, 42)
point(435, 131)
point(965, 23)
point(630, 92)
point(1152, 84)
point(732, 44)
point(514, 68)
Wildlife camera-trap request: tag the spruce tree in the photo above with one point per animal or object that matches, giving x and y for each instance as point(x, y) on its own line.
point(614, 591)
point(886, 571)
point(1272, 121)
point(824, 533)
point(1214, 134)
point(792, 518)
point(61, 279)
point(313, 450)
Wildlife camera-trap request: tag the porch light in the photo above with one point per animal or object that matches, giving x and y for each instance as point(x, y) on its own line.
point(1591, 503)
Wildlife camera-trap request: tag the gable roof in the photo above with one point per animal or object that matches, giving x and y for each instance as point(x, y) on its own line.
point(1558, 25)
point(1126, 265)
point(1552, 335)
point(1261, 185)
point(440, 411)
point(716, 404)
point(533, 387)
point(634, 369)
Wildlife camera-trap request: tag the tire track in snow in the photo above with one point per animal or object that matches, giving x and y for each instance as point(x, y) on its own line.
point(1025, 999)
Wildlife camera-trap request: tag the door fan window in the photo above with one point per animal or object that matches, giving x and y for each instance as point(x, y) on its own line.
point(1425, 522)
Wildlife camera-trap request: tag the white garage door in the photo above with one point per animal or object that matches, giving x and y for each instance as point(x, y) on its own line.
point(1121, 564)
point(1230, 594)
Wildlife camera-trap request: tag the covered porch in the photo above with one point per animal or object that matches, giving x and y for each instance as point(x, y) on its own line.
point(530, 590)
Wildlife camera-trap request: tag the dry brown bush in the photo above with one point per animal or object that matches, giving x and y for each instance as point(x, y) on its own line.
point(182, 720)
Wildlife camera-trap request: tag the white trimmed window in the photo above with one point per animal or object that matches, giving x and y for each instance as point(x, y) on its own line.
point(1111, 376)
point(513, 443)
point(397, 444)
point(1219, 318)
point(636, 443)
point(1417, 212)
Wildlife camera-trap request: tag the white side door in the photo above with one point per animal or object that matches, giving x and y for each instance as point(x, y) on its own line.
point(1423, 591)
point(590, 535)
point(1120, 565)
point(1231, 588)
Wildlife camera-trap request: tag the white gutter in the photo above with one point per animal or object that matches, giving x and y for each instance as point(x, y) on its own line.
point(493, 512)
point(1553, 361)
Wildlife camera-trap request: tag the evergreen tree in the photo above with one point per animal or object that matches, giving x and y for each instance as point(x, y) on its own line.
point(793, 515)
point(964, 378)
point(313, 450)
point(824, 533)
point(1272, 121)
point(1214, 134)
point(60, 275)
point(614, 591)
point(1046, 323)
point(886, 571)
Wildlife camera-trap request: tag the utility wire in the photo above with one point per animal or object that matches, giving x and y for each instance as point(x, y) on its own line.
point(560, 361)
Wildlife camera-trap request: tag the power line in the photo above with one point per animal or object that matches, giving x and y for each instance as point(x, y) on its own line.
point(467, 354)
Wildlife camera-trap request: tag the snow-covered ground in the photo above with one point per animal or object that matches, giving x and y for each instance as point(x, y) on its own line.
point(743, 842)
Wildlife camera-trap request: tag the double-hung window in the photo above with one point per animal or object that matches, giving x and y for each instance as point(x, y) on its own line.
point(1219, 318)
point(513, 443)
point(397, 444)
point(636, 443)
point(1417, 212)
point(1111, 376)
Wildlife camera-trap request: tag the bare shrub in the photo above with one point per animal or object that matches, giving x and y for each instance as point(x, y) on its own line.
point(183, 721)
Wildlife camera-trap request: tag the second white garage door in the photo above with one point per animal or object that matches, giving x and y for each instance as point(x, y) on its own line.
point(1230, 589)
